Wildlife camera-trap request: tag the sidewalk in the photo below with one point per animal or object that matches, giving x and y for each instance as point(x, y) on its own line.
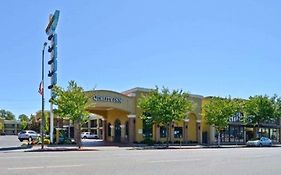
point(48, 148)
point(9, 148)
point(116, 147)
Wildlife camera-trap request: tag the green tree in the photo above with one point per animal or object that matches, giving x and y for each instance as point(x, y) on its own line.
point(7, 115)
point(23, 117)
point(1, 127)
point(164, 107)
point(259, 109)
point(47, 121)
point(72, 104)
point(277, 106)
point(24, 120)
point(218, 112)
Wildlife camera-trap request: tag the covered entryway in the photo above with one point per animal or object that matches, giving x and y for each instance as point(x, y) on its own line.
point(117, 113)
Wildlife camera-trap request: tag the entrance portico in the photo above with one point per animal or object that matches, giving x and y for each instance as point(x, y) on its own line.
point(117, 112)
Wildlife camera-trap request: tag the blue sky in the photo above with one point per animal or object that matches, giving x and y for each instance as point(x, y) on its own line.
point(204, 47)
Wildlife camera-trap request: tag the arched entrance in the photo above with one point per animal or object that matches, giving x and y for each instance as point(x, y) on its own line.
point(117, 133)
point(114, 108)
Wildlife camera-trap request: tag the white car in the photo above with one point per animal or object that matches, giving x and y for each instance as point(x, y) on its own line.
point(263, 141)
point(89, 135)
point(27, 135)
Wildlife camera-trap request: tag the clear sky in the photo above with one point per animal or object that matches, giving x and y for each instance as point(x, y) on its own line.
point(204, 47)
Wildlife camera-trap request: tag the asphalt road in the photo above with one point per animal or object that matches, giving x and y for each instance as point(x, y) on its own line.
point(242, 161)
point(9, 141)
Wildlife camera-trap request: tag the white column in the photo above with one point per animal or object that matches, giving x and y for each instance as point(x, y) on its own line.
point(212, 135)
point(98, 127)
point(89, 125)
point(112, 132)
point(123, 133)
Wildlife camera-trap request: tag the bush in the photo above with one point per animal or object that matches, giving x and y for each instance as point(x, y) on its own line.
point(149, 142)
point(67, 141)
point(47, 141)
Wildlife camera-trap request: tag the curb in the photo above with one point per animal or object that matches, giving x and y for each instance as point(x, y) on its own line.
point(59, 150)
point(15, 148)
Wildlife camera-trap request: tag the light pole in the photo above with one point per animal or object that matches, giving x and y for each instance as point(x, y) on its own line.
point(43, 100)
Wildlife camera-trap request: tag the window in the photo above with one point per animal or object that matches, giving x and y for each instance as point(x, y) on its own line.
point(163, 132)
point(147, 128)
point(109, 129)
point(233, 134)
point(93, 123)
point(178, 132)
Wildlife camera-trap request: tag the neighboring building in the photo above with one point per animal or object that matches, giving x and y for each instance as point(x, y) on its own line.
point(11, 127)
point(237, 132)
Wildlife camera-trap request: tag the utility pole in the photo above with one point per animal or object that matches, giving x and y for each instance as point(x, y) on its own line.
point(41, 89)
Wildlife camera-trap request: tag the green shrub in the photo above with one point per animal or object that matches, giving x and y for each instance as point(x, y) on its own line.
point(47, 141)
point(149, 142)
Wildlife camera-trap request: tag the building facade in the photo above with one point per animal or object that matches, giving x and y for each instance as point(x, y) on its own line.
point(11, 127)
point(115, 117)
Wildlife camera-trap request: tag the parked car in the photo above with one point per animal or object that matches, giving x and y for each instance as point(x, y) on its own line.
point(27, 134)
point(89, 135)
point(263, 141)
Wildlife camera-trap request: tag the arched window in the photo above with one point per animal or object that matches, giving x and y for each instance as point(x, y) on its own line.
point(109, 129)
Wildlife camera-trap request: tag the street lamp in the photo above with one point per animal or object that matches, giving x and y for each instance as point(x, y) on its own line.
point(43, 100)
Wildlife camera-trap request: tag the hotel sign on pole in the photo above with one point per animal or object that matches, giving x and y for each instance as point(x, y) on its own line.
point(53, 22)
point(52, 48)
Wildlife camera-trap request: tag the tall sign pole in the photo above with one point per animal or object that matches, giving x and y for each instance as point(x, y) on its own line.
point(41, 91)
point(52, 49)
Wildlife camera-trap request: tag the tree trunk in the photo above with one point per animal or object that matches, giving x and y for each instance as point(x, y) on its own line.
point(77, 133)
point(167, 136)
point(257, 130)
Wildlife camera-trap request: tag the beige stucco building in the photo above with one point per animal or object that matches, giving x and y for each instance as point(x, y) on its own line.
point(115, 117)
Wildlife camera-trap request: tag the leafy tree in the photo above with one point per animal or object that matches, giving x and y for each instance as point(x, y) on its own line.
point(164, 107)
point(218, 112)
point(259, 109)
point(24, 120)
point(23, 125)
point(7, 115)
point(1, 127)
point(34, 123)
point(277, 106)
point(23, 117)
point(47, 117)
point(72, 104)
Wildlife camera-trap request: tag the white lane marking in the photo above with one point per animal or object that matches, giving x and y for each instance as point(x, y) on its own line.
point(26, 168)
point(63, 166)
point(16, 157)
point(41, 167)
point(176, 160)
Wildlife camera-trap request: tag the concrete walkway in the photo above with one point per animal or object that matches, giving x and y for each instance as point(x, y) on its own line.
point(99, 145)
